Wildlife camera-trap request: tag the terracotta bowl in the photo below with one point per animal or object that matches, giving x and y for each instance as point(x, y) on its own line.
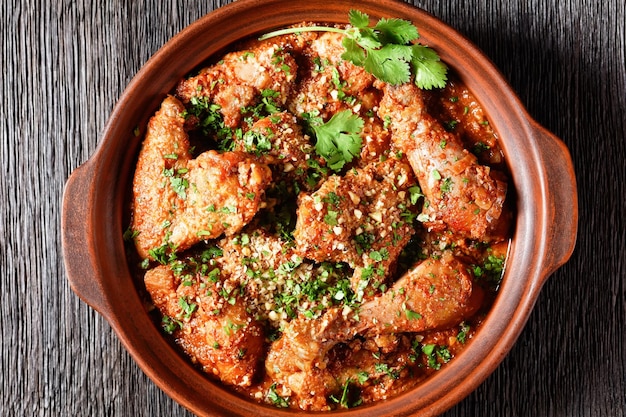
point(94, 207)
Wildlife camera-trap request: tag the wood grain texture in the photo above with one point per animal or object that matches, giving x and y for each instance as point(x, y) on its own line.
point(65, 63)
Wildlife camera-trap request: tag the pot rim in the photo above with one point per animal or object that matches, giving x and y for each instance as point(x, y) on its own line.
point(103, 282)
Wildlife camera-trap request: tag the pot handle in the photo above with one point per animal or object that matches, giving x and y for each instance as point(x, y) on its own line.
point(78, 252)
point(562, 199)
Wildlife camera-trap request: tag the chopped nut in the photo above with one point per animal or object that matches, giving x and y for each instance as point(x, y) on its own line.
point(377, 215)
point(354, 198)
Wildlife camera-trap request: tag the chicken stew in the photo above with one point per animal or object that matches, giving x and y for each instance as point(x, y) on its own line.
point(305, 281)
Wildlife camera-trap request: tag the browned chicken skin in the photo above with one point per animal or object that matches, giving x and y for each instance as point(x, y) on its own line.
point(359, 219)
point(462, 195)
point(179, 201)
point(434, 295)
point(217, 332)
point(240, 77)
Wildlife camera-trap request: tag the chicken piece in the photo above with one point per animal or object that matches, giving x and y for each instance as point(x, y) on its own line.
point(238, 80)
point(278, 140)
point(179, 201)
point(225, 192)
point(266, 267)
point(462, 114)
point(217, 333)
point(329, 83)
point(435, 294)
point(363, 219)
point(463, 196)
point(165, 149)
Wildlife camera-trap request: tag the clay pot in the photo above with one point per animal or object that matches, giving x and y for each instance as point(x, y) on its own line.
point(93, 217)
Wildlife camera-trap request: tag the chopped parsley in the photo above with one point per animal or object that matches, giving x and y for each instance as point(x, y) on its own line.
point(436, 355)
point(170, 325)
point(257, 142)
point(491, 270)
point(412, 315)
point(277, 400)
point(187, 308)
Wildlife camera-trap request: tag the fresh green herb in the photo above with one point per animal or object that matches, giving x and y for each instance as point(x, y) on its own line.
point(364, 241)
point(277, 400)
point(179, 184)
point(332, 198)
point(446, 185)
point(231, 327)
point(130, 234)
point(257, 142)
point(412, 315)
point(387, 50)
point(380, 255)
point(246, 55)
point(384, 368)
point(450, 125)
point(187, 307)
point(479, 148)
point(343, 400)
point(463, 331)
point(165, 253)
point(210, 253)
point(436, 355)
point(491, 270)
point(170, 325)
point(338, 140)
point(211, 121)
point(415, 192)
point(362, 377)
point(331, 218)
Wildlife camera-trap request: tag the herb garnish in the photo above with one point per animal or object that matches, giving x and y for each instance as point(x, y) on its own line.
point(338, 140)
point(387, 50)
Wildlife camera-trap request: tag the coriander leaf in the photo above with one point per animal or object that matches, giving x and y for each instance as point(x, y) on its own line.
point(358, 19)
point(429, 70)
point(338, 140)
point(389, 63)
point(396, 31)
point(365, 37)
point(386, 50)
point(353, 52)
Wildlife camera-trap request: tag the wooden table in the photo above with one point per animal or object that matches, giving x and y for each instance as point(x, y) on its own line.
point(65, 63)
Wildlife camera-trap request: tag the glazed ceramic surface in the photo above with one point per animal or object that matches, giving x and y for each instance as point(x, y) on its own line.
point(94, 207)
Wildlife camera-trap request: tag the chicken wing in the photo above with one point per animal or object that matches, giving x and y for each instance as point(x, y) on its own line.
point(179, 201)
point(435, 294)
point(461, 194)
point(238, 80)
point(363, 219)
point(278, 140)
point(216, 331)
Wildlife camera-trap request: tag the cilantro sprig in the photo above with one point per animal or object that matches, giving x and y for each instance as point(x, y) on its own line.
point(388, 50)
point(338, 140)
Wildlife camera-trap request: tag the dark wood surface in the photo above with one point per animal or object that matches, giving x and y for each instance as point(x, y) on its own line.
point(65, 63)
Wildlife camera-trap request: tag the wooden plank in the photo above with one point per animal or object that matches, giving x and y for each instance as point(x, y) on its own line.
point(65, 63)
